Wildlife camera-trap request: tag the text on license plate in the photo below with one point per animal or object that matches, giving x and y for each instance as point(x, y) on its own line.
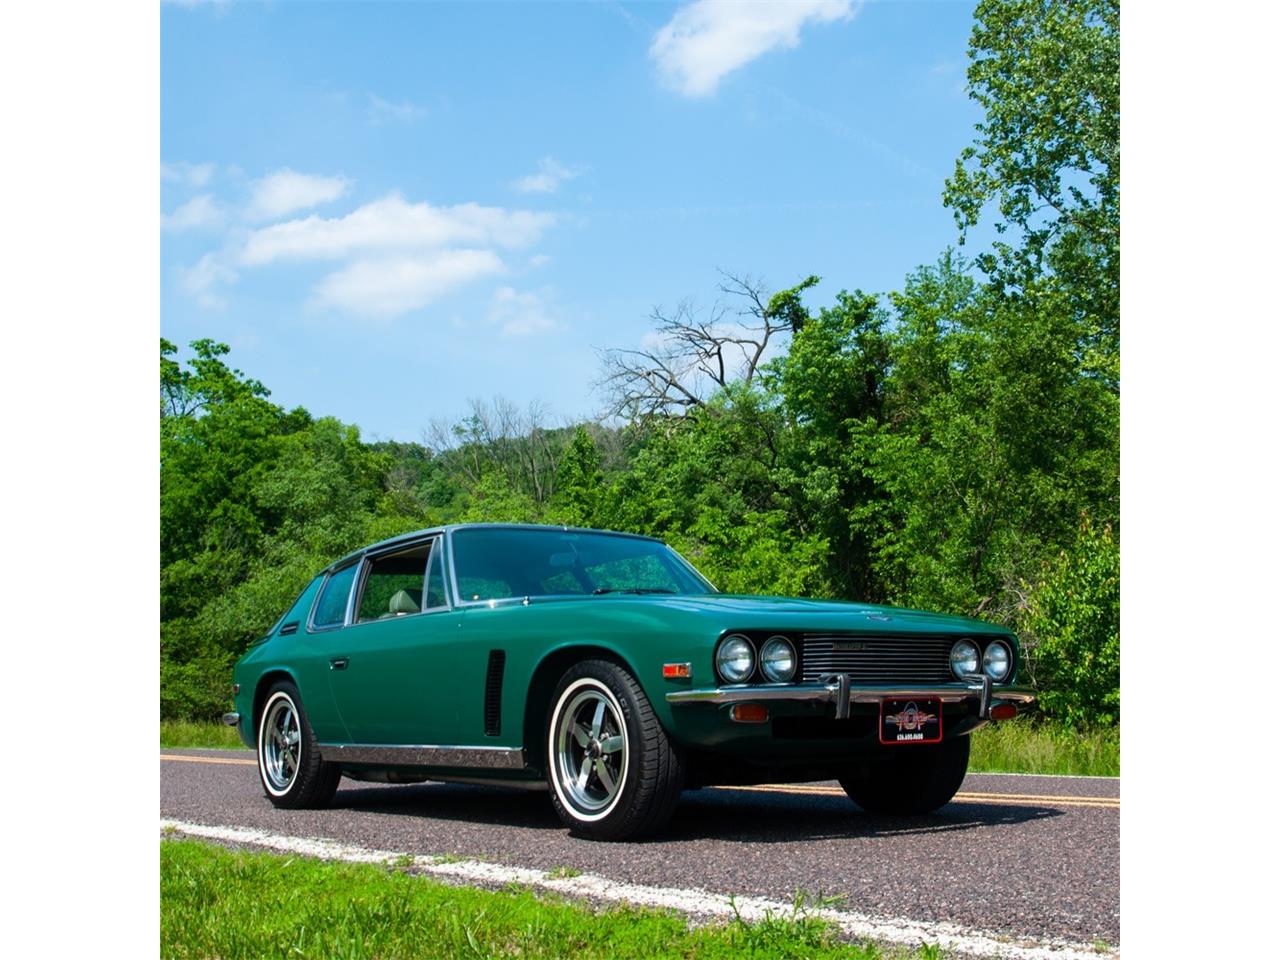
point(911, 720)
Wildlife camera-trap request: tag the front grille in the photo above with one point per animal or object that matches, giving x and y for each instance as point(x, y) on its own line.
point(879, 659)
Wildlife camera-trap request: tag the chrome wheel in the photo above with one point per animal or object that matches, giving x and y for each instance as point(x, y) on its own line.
point(280, 744)
point(589, 744)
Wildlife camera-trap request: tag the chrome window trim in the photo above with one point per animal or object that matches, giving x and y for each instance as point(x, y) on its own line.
point(425, 755)
point(437, 545)
point(370, 559)
point(453, 574)
point(459, 603)
point(315, 604)
point(698, 575)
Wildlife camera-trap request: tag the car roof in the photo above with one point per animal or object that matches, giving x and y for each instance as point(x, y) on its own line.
point(448, 528)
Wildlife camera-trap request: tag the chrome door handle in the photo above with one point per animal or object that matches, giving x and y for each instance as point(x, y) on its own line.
point(339, 663)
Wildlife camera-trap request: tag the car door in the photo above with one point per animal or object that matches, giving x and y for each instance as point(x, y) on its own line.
point(390, 668)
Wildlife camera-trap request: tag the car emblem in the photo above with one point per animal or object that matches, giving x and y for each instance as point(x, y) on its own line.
point(848, 645)
point(879, 616)
point(912, 718)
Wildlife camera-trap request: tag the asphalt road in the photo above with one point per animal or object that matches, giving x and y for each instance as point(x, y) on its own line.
point(1032, 857)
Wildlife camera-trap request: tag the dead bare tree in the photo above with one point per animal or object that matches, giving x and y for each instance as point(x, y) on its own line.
point(691, 354)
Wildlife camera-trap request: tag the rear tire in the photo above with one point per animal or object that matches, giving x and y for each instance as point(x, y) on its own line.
point(289, 765)
point(909, 780)
point(614, 774)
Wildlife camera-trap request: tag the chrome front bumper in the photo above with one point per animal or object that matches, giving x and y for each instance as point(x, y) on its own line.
point(841, 692)
point(231, 719)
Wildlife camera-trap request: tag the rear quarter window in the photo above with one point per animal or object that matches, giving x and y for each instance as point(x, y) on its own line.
point(331, 608)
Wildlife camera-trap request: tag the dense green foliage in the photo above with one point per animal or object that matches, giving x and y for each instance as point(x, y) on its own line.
point(253, 500)
point(1072, 630)
point(953, 445)
point(220, 903)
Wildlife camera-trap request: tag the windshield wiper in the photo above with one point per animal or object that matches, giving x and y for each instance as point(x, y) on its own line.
point(599, 590)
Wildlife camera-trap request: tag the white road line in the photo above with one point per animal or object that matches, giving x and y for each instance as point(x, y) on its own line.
point(951, 937)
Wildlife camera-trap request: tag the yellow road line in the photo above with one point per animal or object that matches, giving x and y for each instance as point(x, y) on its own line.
point(963, 797)
point(802, 790)
point(976, 795)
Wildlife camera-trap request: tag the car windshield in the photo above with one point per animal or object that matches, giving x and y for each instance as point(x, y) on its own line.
point(493, 563)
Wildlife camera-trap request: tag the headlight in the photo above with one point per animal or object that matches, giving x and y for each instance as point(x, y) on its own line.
point(996, 661)
point(964, 658)
point(778, 660)
point(736, 659)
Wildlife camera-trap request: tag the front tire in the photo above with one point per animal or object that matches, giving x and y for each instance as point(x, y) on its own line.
point(613, 772)
point(289, 765)
point(909, 780)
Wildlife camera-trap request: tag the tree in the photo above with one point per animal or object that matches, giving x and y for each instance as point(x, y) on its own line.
point(579, 481)
point(693, 354)
point(1072, 631)
point(185, 393)
point(996, 440)
point(832, 385)
point(499, 438)
point(1046, 73)
point(253, 500)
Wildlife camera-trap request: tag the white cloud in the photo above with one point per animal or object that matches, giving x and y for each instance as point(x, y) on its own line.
point(521, 314)
point(539, 260)
point(707, 40)
point(391, 286)
point(381, 111)
point(550, 175)
point(202, 280)
point(200, 212)
point(393, 224)
point(386, 258)
point(286, 190)
point(190, 174)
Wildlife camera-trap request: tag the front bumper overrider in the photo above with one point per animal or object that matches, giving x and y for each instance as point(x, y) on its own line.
point(840, 690)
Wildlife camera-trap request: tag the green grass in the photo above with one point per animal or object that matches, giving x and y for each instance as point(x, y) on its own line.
point(563, 873)
point(186, 733)
point(1017, 746)
point(1020, 746)
point(231, 905)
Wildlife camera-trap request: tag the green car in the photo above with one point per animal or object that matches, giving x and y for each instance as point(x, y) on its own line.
point(603, 667)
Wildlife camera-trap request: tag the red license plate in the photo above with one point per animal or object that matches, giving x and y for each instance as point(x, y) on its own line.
point(911, 720)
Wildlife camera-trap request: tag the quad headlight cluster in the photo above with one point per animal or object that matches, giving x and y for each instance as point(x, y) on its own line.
point(736, 659)
point(996, 660)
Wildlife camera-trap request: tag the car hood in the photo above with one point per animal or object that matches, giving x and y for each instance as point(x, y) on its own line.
point(745, 612)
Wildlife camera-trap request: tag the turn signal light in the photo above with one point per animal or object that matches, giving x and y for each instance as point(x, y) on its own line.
point(675, 671)
point(749, 713)
point(1004, 711)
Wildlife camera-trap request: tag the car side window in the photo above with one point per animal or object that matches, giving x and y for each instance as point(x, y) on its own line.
point(435, 578)
point(393, 587)
point(331, 608)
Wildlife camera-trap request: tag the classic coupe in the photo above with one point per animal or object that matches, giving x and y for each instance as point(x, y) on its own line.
point(605, 669)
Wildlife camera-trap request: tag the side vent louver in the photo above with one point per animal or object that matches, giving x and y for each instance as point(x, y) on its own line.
point(288, 628)
point(493, 693)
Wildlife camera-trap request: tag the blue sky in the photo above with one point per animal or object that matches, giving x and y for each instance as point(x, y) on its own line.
point(387, 209)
